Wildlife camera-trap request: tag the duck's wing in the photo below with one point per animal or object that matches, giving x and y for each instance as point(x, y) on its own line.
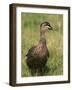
point(31, 52)
point(35, 52)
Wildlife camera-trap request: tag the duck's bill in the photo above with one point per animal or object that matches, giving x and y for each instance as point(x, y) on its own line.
point(50, 28)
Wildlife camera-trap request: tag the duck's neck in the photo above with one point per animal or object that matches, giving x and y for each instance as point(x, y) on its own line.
point(42, 35)
point(42, 38)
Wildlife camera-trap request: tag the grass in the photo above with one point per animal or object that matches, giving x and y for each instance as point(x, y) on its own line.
point(30, 37)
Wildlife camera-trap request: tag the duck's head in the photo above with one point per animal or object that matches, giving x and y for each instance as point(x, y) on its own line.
point(45, 26)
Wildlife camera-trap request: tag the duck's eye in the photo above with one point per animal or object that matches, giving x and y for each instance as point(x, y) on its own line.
point(47, 24)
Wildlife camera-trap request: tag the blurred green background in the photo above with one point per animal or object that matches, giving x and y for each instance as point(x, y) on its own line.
point(30, 35)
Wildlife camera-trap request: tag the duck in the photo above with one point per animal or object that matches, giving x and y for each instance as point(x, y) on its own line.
point(37, 56)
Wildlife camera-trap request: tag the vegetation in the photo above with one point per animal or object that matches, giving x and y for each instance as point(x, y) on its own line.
point(30, 36)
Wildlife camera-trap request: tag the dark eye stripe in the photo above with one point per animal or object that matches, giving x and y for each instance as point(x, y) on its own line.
point(45, 24)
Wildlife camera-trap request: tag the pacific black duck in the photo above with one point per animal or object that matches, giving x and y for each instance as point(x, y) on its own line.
point(38, 55)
